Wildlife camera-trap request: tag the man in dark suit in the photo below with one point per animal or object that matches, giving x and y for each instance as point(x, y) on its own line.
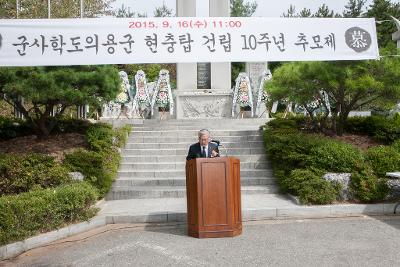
point(204, 148)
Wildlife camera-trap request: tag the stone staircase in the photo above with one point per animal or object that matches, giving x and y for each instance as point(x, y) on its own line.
point(153, 161)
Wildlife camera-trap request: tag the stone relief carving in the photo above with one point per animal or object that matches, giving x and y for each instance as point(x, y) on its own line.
point(210, 108)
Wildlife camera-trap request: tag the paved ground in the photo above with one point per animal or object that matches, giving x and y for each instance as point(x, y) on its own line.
point(357, 241)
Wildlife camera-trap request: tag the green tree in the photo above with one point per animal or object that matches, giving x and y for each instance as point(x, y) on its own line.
point(163, 11)
point(291, 12)
point(33, 9)
point(305, 13)
point(381, 10)
point(48, 90)
point(124, 12)
point(324, 12)
point(241, 9)
point(354, 8)
point(350, 85)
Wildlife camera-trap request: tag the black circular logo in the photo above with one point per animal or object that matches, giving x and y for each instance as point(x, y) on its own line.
point(358, 39)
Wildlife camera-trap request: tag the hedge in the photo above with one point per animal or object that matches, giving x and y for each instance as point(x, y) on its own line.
point(100, 164)
point(11, 128)
point(21, 173)
point(45, 210)
point(299, 160)
point(386, 130)
point(384, 159)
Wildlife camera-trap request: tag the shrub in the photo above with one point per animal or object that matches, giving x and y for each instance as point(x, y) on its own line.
point(21, 173)
point(383, 129)
point(98, 168)
point(11, 128)
point(44, 210)
point(100, 137)
point(366, 187)
point(299, 160)
point(293, 182)
point(289, 150)
point(396, 145)
point(317, 191)
point(280, 123)
point(309, 185)
point(100, 165)
point(384, 159)
point(122, 134)
point(68, 125)
point(335, 156)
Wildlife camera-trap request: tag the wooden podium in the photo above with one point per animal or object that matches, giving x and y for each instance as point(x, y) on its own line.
point(213, 197)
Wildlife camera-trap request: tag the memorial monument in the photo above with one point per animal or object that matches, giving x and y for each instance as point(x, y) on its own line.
point(203, 89)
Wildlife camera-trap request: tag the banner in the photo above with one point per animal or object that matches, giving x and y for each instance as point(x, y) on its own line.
point(184, 39)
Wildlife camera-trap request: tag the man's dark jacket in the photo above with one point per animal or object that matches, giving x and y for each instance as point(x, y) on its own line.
point(195, 151)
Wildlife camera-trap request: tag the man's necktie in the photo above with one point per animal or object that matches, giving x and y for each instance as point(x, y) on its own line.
point(203, 152)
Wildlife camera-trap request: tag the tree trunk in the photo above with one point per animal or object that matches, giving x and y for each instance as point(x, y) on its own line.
point(340, 126)
point(42, 124)
point(42, 131)
point(342, 122)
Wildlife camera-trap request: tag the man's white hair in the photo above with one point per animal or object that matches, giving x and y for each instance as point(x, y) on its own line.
point(204, 132)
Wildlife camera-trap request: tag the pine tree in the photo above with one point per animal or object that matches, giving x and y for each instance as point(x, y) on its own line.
point(50, 90)
point(33, 9)
point(381, 10)
point(354, 9)
point(240, 9)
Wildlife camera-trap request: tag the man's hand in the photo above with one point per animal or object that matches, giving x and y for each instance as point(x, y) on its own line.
point(214, 154)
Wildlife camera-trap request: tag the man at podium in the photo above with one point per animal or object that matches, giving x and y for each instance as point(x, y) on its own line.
point(204, 148)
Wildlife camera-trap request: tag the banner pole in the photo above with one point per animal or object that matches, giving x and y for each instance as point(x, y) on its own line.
point(48, 9)
point(81, 9)
point(17, 9)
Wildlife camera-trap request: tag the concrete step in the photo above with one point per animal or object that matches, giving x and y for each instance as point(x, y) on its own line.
point(209, 120)
point(254, 207)
point(181, 166)
point(195, 128)
point(179, 181)
point(175, 152)
point(181, 173)
point(182, 158)
point(191, 133)
point(141, 192)
point(192, 139)
point(185, 145)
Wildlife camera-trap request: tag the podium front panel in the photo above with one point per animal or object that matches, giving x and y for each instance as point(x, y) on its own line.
point(214, 194)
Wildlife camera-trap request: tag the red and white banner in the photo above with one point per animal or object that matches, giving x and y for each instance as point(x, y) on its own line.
point(184, 39)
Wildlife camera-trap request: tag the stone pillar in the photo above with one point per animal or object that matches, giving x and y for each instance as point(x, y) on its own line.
point(186, 73)
point(221, 71)
point(82, 111)
point(193, 99)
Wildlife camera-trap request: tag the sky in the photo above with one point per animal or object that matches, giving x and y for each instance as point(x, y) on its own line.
point(266, 8)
